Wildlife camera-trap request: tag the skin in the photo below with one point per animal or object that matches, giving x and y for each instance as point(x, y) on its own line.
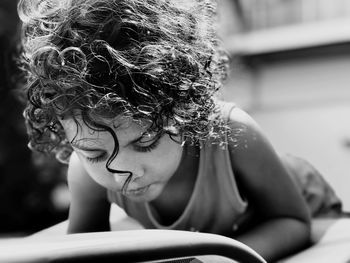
point(285, 221)
point(88, 181)
point(150, 175)
point(285, 224)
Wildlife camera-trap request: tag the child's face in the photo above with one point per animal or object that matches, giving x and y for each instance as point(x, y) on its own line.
point(152, 161)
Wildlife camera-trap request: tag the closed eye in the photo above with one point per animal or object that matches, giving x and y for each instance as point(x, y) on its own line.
point(147, 143)
point(146, 148)
point(100, 158)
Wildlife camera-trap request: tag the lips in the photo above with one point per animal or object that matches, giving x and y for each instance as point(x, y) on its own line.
point(137, 191)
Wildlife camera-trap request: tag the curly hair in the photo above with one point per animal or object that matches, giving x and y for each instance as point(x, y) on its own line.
point(157, 60)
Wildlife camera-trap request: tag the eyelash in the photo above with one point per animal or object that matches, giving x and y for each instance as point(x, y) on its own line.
point(147, 148)
point(97, 159)
point(138, 148)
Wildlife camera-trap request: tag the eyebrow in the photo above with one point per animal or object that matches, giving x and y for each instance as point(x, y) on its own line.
point(81, 147)
point(141, 136)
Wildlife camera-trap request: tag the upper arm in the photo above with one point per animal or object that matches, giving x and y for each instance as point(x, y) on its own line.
point(89, 207)
point(259, 170)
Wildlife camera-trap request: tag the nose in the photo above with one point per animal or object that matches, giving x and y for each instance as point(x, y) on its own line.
point(123, 166)
point(122, 179)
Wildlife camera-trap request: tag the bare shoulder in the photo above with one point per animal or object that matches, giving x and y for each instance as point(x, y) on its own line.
point(244, 129)
point(239, 117)
point(249, 147)
point(260, 171)
point(80, 182)
point(89, 207)
point(75, 169)
point(76, 175)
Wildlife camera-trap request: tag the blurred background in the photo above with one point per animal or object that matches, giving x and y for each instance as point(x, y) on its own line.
point(33, 192)
point(290, 69)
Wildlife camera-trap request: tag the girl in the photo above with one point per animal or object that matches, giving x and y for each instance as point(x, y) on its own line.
point(126, 91)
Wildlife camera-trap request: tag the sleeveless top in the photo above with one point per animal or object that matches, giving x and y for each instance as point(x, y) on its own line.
point(215, 205)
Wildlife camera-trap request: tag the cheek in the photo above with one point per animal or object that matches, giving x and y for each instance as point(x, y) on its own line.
point(168, 157)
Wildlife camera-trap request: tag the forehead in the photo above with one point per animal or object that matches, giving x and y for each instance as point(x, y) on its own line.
point(125, 128)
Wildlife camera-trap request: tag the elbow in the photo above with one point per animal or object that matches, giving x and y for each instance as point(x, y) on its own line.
point(305, 226)
point(302, 226)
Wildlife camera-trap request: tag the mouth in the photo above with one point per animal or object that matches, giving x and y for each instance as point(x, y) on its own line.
point(137, 192)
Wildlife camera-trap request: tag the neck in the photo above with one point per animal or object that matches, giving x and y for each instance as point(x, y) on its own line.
point(170, 204)
point(188, 166)
point(185, 176)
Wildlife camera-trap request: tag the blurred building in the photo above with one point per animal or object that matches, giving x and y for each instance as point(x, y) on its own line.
point(291, 71)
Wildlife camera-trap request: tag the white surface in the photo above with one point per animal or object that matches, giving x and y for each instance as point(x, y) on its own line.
point(334, 246)
point(118, 220)
point(333, 235)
